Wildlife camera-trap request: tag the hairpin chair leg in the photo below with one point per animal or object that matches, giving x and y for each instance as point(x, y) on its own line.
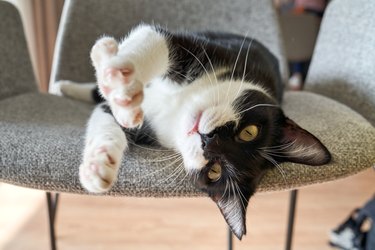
point(52, 201)
point(230, 239)
point(292, 212)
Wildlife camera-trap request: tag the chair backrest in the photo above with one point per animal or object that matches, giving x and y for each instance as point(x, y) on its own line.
point(16, 72)
point(343, 64)
point(83, 22)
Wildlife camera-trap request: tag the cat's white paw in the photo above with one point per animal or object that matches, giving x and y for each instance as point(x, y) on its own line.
point(117, 82)
point(99, 169)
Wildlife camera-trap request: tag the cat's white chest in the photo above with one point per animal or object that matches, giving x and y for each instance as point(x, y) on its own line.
point(163, 108)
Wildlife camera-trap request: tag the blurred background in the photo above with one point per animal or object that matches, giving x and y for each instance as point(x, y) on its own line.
point(85, 222)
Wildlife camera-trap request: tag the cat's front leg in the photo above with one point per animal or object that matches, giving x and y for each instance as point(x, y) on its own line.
point(122, 69)
point(104, 148)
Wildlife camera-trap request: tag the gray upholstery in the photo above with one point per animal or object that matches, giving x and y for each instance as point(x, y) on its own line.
point(42, 135)
point(13, 51)
point(343, 64)
point(85, 21)
point(348, 136)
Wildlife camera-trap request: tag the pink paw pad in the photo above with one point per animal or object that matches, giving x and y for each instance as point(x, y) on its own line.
point(101, 150)
point(138, 118)
point(135, 100)
point(123, 75)
point(105, 89)
point(94, 168)
point(123, 101)
point(134, 119)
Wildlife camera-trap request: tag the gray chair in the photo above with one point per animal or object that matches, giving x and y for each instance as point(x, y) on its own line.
point(42, 134)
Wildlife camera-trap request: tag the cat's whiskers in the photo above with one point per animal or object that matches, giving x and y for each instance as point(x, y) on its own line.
point(232, 75)
point(225, 191)
point(224, 201)
point(280, 147)
point(232, 171)
point(179, 183)
point(217, 95)
point(175, 174)
point(189, 79)
point(297, 150)
point(244, 70)
point(162, 159)
point(150, 149)
point(259, 105)
point(132, 142)
point(216, 99)
point(159, 170)
point(235, 193)
point(200, 63)
point(240, 194)
point(269, 158)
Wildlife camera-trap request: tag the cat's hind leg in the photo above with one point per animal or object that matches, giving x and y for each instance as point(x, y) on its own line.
point(78, 91)
point(104, 147)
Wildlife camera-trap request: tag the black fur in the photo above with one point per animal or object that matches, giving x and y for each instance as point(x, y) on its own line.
point(217, 50)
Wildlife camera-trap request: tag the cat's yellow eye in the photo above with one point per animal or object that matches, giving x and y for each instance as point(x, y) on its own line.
point(249, 133)
point(214, 174)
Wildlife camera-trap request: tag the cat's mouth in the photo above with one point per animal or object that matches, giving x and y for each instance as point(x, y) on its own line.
point(195, 127)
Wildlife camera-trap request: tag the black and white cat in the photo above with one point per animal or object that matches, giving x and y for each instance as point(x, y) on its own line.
point(212, 97)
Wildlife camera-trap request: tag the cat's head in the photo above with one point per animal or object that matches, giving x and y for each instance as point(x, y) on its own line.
point(229, 145)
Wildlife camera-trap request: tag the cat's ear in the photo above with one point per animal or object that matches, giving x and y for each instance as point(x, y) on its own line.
point(233, 202)
point(299, 146)
point(233, 208)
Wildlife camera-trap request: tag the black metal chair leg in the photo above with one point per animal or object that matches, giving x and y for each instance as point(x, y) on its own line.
point(292, 212)
point(230, 239)
point(52, 202)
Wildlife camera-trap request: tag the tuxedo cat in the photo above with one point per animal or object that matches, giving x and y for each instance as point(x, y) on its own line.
point(212, 97)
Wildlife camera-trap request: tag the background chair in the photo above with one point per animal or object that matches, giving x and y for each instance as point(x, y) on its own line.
point(42, 135)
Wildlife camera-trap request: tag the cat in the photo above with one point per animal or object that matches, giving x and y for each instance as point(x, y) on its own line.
point(212, 97)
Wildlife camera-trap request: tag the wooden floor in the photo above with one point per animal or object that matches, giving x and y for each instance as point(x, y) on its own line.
point(131, 223)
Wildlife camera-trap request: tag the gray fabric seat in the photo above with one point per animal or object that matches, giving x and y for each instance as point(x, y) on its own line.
point(42, 135)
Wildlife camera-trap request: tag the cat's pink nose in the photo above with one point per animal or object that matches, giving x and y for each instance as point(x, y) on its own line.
point(196, 125)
